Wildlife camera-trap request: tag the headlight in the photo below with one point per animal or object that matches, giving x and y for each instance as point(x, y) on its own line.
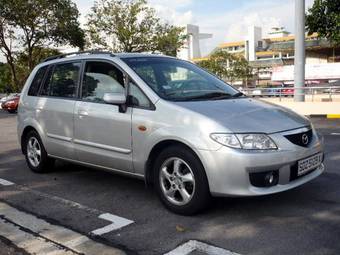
point(229, 140)
point(245, 141)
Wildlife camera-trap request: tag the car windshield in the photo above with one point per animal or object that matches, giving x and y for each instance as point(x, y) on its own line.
point(178, 80)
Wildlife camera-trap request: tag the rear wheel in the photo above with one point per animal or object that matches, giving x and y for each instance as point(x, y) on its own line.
point(11, 111)
point(36, 155)
point(180, 181)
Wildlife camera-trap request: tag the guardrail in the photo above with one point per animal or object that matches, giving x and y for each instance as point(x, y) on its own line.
point(324, 93)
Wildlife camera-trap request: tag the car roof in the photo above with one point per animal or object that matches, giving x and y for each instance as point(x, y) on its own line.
point(97, 54)
point(139, 55)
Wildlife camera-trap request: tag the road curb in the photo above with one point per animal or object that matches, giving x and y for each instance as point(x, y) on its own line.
point(326, 116)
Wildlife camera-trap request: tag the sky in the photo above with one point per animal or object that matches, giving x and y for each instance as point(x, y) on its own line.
point(227, 20)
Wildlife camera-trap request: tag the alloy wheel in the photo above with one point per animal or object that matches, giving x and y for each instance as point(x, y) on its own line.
point(33, 151)
point(177, 181)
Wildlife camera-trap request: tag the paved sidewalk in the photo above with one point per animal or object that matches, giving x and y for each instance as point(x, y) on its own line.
point(9, 249)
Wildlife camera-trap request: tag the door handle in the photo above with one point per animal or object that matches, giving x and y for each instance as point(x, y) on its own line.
point(39, 108)
point(82, 113)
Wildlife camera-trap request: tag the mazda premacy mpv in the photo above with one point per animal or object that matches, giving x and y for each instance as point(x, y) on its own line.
point(167, 121)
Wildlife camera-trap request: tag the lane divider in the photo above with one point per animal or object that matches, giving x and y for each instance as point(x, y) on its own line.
point(200, 247)
point(117, 223)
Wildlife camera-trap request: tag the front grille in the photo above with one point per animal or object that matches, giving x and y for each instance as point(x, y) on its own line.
point(302, 139)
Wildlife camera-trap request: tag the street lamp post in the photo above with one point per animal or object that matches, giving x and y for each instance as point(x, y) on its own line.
point(299, 59)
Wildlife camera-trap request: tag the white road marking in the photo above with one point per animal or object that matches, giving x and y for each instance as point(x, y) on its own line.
point(5, 182)
point(42, 237)
point(194, 245)
point(335, 133)
point(117, 223)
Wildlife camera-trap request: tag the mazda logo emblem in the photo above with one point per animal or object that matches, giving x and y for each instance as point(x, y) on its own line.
point(305, 139)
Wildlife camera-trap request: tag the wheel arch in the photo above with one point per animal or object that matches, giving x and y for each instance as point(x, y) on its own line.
point(156, 149)
point(26, 130)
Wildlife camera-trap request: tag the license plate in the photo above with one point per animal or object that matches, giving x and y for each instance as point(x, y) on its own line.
point(308, 164)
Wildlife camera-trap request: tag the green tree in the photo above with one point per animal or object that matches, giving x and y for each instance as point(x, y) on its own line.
point(324, 18)
point(30, 26)
point(131, 26)
point(38, 54)
point(229, 67)
point(5, 78)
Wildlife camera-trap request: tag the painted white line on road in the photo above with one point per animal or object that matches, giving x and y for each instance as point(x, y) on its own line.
point(335, 133)
point(117, 223)
point(5, 182)
point(194, 245)
point(14, 223)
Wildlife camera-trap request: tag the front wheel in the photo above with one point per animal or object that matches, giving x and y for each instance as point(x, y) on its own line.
point(180, 181)
point(36, 155)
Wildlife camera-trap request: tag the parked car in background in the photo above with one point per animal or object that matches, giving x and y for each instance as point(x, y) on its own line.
point(288, 91)
point(272, 92)
point(11, 105)
point(7, 97)
point(256, 93)
point(167, 121)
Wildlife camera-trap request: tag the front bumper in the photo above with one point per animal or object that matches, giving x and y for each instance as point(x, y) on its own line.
point(228, 170)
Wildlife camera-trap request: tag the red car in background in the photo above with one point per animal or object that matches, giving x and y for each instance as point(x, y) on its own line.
point(288, 91)
point(11, 105)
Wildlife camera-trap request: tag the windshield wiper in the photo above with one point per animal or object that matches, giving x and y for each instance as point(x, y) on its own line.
point(212, 95)
point(238, 94)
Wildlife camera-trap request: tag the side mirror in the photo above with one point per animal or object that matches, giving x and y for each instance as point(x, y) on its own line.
point(115, 98)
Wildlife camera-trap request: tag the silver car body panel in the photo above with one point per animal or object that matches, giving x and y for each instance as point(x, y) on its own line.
point(101, 136)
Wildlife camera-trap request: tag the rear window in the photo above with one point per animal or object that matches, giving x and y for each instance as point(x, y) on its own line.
point(38, 78)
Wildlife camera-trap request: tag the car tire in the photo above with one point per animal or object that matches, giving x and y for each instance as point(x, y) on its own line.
point(36, 156)
point(11, 111)
point(183, 191)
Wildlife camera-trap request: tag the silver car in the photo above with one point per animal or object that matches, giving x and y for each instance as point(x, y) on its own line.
point(167, 121)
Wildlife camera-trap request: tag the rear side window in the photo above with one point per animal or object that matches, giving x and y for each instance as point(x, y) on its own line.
point(62, 80)
point(38, 78)
point(46, 85)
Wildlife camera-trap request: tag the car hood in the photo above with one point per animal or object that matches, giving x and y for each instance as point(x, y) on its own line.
point(247, 115)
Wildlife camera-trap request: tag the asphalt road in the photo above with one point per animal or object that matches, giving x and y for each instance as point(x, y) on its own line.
point(305, 220)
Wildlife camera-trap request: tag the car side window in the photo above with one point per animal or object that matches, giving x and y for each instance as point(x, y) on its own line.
point(62, 80)
point(37, 80)
point(100, 78)
point(137, 97)
point(46, 85)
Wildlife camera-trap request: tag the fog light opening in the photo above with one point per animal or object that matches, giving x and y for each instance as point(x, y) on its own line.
point(264, 179)
point(271, 178)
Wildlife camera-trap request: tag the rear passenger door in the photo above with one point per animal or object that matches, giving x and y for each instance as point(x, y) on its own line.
point(55, 107)
point(102, 132)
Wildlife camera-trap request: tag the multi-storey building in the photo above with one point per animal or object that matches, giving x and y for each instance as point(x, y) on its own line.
point(272, 57)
